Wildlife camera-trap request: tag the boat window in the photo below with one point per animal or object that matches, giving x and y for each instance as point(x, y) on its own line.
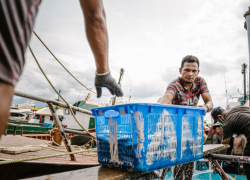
point(66, 111)
point(36, 117)
point(16, 115)
point(51, 118)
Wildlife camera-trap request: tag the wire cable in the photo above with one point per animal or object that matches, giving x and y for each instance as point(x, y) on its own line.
point(64, 66)
point(59, 93)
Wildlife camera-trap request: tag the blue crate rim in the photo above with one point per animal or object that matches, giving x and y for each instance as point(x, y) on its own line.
point(150, 104)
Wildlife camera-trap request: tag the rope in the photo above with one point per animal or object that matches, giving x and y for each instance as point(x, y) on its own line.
point(64, 66)
point(59, 94)
point(39, 157)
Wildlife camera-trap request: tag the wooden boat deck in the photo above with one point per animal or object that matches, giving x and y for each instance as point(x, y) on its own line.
point(42, 166)
point(19, 141)
point(102, 173)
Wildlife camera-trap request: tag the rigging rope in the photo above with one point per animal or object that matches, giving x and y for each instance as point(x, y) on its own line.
point(59, 93)
point(64, 66)
point(40, 157)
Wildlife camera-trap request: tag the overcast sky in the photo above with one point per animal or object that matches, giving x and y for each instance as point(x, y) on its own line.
point(146, 38)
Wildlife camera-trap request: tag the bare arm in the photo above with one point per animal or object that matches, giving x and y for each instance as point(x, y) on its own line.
point(207, 100)
point(244, 141)
point(166, 99)
point(225, 141)
point(96, 30)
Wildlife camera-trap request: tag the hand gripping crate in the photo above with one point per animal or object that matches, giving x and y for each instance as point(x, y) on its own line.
point(145, 137)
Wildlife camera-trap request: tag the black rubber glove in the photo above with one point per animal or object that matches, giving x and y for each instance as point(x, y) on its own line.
point(108, 82)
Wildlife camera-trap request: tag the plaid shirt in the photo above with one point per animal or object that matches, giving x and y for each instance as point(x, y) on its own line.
point(187, 97)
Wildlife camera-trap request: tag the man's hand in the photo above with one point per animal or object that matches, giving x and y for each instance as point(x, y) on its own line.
point(166, 99)
point(108, 82)
point(203, 106)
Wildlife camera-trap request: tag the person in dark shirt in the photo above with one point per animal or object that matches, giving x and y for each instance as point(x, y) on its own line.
point(235, 121)
point(216, 136)
point(186, 90)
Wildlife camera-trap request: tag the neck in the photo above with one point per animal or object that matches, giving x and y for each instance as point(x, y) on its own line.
point(187, 85)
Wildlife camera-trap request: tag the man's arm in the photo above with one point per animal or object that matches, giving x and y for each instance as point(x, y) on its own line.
point(225, 141)
point(207, 100)
point(244, 141)
point(97, 34)
point(166, 99)
point(96, 30)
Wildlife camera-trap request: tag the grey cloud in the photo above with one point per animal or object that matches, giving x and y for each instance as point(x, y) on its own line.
point(170, 74)
point(211, 69)
point(147, 90)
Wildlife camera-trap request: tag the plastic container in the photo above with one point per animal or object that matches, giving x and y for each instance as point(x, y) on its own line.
point(145, 137)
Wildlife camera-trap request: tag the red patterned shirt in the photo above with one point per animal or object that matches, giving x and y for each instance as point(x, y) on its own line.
point(187, 97)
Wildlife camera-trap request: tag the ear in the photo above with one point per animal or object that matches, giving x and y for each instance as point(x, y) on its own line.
point(198, 72)
point(180, 70)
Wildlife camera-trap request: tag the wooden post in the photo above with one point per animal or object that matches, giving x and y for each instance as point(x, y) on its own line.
point(218, 169)
point(179, 171)
point(21, 130)
point(58, 123)
point(14, 130)
point(5, 133)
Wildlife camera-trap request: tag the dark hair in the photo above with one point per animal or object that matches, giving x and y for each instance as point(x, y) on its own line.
point(190, 59)
point(214, 127)
point(215, 112)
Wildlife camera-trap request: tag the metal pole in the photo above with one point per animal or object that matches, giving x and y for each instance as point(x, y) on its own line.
point(45, 100)
point(245, 93)
point(65, 140)
point(247, 26)
point(243, 71)
point(242, 159)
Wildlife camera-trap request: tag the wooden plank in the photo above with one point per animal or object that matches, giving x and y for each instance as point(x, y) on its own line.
point(18, 150)
point(211, 148)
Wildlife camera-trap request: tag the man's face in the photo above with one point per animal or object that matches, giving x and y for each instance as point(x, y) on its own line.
point(189, 72)
point(217, 130)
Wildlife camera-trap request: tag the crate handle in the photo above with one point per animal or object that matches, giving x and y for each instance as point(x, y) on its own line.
point(111, 114)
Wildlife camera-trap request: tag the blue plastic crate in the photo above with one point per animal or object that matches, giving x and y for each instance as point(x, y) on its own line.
point(145, 137)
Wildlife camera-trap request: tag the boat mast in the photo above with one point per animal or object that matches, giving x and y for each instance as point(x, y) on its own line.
point(247, 27)
point(243, 71)
point(119, 83)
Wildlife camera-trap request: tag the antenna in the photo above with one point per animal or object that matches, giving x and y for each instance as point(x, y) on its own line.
point(58, 99)
point(225, 86)
point(130, 90)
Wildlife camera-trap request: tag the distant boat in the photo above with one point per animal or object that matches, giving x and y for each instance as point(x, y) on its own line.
point(22, 114)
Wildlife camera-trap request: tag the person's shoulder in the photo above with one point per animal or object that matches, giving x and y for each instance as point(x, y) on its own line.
point(199, 79)
point(175, 81)
point(240, 107)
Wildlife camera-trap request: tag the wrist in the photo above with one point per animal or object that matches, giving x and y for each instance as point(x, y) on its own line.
point(207, 107)
point(102, 70)
point(102, 74)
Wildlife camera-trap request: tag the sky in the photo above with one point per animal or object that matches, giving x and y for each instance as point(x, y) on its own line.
point(146, 38)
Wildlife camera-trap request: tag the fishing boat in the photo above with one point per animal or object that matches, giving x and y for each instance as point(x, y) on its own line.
point(23, 114)
point(41, 121)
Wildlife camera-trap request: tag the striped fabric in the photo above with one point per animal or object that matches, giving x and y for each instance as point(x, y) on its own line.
point(16, 24)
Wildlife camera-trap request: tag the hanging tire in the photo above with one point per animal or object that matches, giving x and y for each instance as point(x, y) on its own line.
point(80, 140)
